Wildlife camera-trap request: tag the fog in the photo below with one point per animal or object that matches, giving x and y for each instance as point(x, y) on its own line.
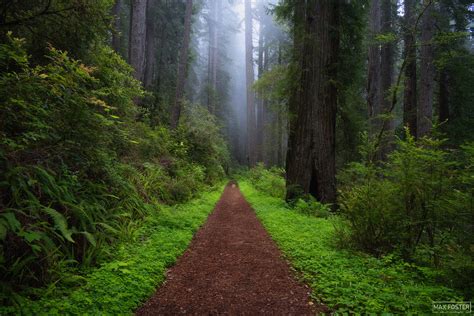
point(231, 78)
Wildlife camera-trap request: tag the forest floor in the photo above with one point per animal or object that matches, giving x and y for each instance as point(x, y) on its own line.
point(232, 266)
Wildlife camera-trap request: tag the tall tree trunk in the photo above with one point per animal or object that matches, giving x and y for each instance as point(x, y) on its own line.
point(116, 42)
point(316, 111)
point(260, 63)
point(427, 71)
point(324, 48)
point(386, 79)
point(136, 51)
point(373, 76)
point(212, 73)
point(150, 45)
point(298, 155)
point(182, 66)
point(251, 153)
point(409, 99)
point(443, 96)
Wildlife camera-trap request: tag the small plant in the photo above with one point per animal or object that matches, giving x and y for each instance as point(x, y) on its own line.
point(310, 206)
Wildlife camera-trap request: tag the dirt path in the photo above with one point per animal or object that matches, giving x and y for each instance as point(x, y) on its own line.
point(231, 267)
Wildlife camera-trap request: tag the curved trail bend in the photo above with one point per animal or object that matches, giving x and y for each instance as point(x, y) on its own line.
point(231, 267)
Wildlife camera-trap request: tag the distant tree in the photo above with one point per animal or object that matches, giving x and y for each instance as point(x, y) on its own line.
point(374, 96)
point(409, 100)
point(251, 123)
point(182, 66)
point(150, 45)
point(136, 51)
point(427, 70)
point(116, 9)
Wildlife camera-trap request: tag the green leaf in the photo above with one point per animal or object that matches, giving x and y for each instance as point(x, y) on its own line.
point(12, 221)
point(60, 223)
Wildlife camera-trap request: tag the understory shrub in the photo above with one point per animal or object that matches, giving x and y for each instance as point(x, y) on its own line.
point(270, 181)
point(418, 204)
point(78, 172)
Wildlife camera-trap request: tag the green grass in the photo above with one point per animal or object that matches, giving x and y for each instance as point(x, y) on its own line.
point(346, 281)
point(120, 286)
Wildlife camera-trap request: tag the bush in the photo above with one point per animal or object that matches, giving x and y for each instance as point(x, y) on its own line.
point(310, 206)
point(78, 172)
point(418, 204)
point(270, 181)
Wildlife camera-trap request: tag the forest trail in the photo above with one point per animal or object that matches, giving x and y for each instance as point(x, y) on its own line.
point(232, 266)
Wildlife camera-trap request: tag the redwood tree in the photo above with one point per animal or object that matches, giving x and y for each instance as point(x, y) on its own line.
point(409, 99)
point(311, 165)
point(136, 51)
point(251, 150)
point(427, 70)
point(182, 66)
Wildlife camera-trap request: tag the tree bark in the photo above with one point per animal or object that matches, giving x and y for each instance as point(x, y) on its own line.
point(150, 45)
point(443, 96)
point(427, 71)
point(386, 80)
point(409, 99)
point(251, 153)
point(136, 55)
point(260, 109)
point(116, 40)
point(311, 156)
point(298, 155)
point(373, 76)
point(324, 48)
point(212, 71)
point(182, 66)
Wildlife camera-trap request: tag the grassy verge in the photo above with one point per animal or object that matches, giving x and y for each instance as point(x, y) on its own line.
point(345, 281)
point(119, 286)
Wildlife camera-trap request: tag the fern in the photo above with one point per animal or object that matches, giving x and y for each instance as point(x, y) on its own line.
point(60, 223)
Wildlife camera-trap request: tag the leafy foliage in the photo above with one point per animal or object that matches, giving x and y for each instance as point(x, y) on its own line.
point(418, 205)
point(78, 172)
point(138, 266)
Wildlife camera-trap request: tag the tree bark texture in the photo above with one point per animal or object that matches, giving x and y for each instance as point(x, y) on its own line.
point(137, 41)
point(427, 71)
point(182, 66)
point(311, 164)
point(150, 45)
point(374, 95)
point(409, 98)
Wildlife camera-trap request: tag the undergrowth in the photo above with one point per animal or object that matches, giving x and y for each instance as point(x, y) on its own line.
point(345, 280)
point(138, 266)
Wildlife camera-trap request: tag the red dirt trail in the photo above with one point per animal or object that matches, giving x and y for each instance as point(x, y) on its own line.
point(231, 267)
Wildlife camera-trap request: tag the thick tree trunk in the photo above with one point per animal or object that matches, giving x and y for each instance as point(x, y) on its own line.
point(182, 66)
point(374, 96)
point(427, 71)
point(298, 155)
point(251, 153)
point(136, 51)
point(409, 99)
point(150, 45)
point(324, 48)
point(116, 40)
point(311, 159)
